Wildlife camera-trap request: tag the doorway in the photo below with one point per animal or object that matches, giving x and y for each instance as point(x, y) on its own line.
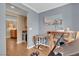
point(16, 30)
point(16, 27)
point(11, 27)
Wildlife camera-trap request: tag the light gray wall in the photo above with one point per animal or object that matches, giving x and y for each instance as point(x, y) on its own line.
point(75, 18)
point(2, 30)
point(66, 13)
point(33, 22)
point(70, 14)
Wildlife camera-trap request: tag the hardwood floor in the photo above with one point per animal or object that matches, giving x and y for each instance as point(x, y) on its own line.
point(13, 49)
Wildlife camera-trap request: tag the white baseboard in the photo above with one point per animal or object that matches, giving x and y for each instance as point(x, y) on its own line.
point(44, 44)
point(34, 45)
point(19, 42)
point(30, 47)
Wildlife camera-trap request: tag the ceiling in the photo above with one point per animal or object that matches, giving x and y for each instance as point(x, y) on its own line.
point(42, 7)
point(11, 9)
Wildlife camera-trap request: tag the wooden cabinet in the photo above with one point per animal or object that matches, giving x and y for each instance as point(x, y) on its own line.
point(13, 33)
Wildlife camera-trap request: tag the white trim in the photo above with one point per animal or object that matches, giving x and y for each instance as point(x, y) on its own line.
point(53, 7)
point(43, 10)
point(44, 45)
point(30, 7)
point(34, 45)
point(19, 42)
point(30, 47)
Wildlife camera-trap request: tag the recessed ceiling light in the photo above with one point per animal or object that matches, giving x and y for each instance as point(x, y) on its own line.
point(12, 7)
